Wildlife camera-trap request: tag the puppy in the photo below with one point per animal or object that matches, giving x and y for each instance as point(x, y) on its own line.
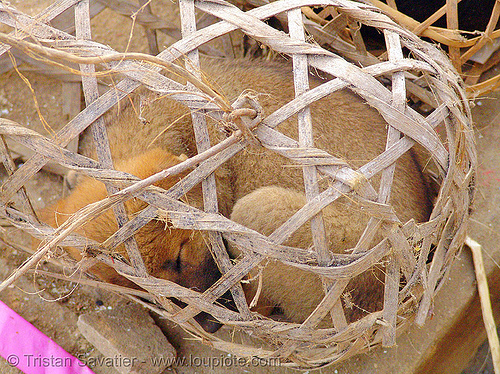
point(257, 188)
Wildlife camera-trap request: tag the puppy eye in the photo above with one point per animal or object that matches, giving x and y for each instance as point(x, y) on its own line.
point(178, 263)
point(175, 264)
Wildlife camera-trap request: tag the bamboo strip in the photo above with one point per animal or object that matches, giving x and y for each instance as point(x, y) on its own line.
point(484, 296)
point(297, 345)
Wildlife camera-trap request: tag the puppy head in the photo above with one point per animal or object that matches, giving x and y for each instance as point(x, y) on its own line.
point(181, 256)
point(187, 261)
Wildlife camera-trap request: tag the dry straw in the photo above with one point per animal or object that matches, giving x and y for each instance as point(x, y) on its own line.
point(461, 45)
point(412, 276)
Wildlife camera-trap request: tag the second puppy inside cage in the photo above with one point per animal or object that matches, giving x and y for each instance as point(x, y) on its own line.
point(258, 188)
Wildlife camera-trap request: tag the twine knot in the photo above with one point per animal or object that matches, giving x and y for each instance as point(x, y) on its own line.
point(245, 116)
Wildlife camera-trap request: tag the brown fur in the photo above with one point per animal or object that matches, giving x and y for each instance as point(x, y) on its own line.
point(343, 126)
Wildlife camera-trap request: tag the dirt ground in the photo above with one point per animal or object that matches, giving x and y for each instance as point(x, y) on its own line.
point(54, 306)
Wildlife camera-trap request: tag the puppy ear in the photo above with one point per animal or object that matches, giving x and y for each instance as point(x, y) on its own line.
point(149, 162)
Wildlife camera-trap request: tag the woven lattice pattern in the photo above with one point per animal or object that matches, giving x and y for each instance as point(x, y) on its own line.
point(412, 276)
point(469, 35)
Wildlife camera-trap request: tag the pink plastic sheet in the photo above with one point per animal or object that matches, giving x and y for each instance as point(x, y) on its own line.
point(31, 351)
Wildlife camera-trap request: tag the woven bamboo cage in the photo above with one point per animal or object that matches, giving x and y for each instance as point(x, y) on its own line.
point(413, 274)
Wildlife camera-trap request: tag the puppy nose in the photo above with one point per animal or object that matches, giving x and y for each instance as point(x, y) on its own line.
point(227, 301)
point(207, 322)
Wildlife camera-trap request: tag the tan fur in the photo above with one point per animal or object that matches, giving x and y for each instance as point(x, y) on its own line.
point(343, 126)
point(298, 292)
